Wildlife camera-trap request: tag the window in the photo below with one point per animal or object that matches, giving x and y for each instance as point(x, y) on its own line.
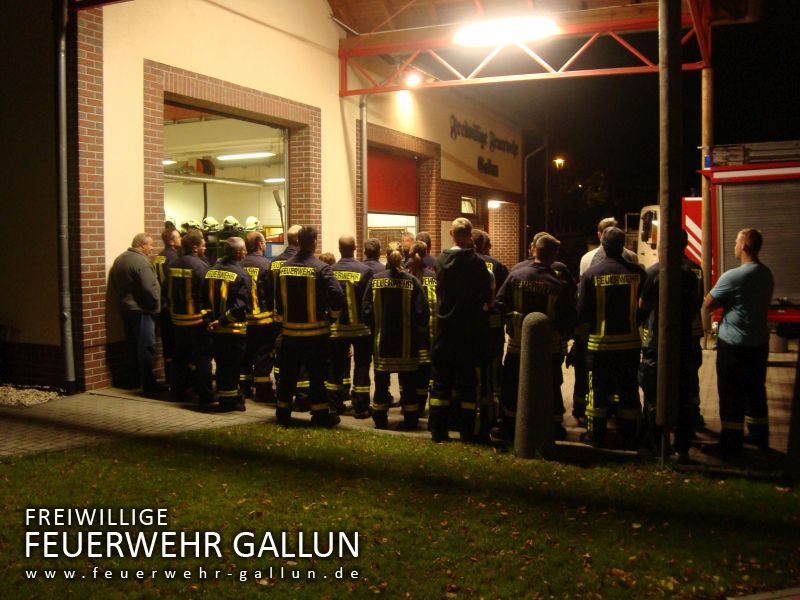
point(217, 167)
point(468, 204)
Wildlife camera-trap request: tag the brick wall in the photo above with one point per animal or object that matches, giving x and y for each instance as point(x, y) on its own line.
point(87, 225)
point(504, 228)
point(502, 224)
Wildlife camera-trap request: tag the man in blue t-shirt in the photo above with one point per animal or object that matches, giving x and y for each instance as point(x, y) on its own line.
point(744, 293)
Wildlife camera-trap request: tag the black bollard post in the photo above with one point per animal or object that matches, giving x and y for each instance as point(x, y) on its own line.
point(534, 429)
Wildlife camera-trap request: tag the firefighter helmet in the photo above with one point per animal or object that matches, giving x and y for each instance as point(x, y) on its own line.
point(252, 223)
point(210, 224)
point(189, 224)
point(230, 222)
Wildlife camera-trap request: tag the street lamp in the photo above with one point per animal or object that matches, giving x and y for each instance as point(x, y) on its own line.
point(558, 162)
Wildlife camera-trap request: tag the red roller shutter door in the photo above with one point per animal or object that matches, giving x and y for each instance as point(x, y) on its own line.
point(392, 183)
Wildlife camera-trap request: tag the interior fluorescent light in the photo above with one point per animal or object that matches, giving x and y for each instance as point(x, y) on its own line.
point(245, 155)
point(497, 32)
point(275, 180)
point(167, 161)
point(413, 79)
point(494, 203)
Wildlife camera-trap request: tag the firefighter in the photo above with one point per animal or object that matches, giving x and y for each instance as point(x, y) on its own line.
point(189, 318)
point(372, 255)
point(534, 287)
point(227, 292)
point(608, 302)
point(464, 294)
point(397, 312)
point(691, 300)
point(489, 384)
point(308, 298)
point(417, 266)
point(429, 260)
point(301, 399)
point(261, 329)
point(165, 259)
point(349, 330)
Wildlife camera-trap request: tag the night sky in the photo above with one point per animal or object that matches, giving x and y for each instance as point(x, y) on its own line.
point(609, 125)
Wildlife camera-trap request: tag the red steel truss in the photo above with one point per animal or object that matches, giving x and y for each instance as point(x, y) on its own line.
point(408, 47)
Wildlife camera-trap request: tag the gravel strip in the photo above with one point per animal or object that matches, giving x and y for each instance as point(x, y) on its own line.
point(25, 396)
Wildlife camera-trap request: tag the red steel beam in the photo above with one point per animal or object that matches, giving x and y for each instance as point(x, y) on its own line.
point(702, 29)
point(514, 78)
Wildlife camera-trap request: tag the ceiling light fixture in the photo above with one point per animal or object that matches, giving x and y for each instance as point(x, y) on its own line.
point(498, 32)
point(245, 155)
point(494, 204)
point(413, 79)
point(275, 180)
point(168, 161)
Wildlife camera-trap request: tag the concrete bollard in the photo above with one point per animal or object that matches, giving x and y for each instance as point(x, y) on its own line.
point(534, 433)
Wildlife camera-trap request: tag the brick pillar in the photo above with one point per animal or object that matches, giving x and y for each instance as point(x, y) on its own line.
point(87, 204)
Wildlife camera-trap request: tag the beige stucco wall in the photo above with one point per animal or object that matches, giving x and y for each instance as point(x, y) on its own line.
point(428, 114)
point(286, 48)
point(283, 47)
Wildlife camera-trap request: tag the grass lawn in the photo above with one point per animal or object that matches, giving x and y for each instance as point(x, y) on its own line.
point(434, 521)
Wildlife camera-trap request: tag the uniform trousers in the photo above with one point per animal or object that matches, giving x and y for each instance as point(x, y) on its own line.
point(339, 371)
point(296, 353)
point(741, 385)
point(382, 399)
point(259, 359)
point(229, 350)
point(613, 374)
point(191, 365)
point(166, 329)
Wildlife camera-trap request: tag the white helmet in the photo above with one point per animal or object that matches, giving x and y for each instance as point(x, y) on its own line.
point(252, 223)
point(189, 224)
point(231, 222)
point(210, 224)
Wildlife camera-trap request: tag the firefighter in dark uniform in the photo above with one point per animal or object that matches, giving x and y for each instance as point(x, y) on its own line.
point(349, 330)
point(489, 386)
point(189, 318)
point(162, 262)
point(289, 252)
point(608, 301)
point(228, 296)
point(534, 287)
point(308, 298)
point(397, 312)
point(691, 300)
point(565, 275)
point(417, 266)
point(261, 329)
point(464, 294)
point(372, 255)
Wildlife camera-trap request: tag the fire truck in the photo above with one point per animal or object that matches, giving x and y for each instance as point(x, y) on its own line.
point(752, 185)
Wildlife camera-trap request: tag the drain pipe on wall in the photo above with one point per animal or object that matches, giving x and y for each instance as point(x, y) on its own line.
point(63, 205)
point(525, 195)
point(362, 105)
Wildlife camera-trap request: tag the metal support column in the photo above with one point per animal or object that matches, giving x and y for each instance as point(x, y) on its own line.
point(364, 174)
point(669, 254)
point(707, 142)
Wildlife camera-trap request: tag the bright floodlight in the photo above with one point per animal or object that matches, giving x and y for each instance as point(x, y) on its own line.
point(413, 79)
point(494, 204)
point(167, 161)
point(505, 31)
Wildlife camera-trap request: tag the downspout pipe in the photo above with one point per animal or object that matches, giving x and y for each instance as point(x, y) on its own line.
point(362, 105)
point(63, 204)
point(525, 191)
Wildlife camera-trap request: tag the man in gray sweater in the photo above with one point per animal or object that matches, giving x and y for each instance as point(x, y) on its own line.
point(134, 279)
